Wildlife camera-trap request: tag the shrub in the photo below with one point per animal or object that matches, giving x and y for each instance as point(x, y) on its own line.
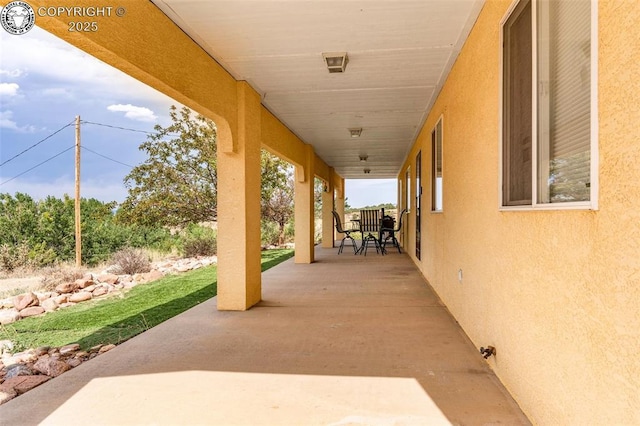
point(56, 275)
point(130, 261)
point(14, 257)
point(199, 240)
point(200, 246)
point(269, 233)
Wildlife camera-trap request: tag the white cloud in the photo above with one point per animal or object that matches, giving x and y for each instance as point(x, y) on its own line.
point(134, 112)
point(15, 73)
point(41, 54)
point(9, 89)
point(7, 122)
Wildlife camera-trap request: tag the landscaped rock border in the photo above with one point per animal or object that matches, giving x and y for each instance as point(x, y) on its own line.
point(23, 371)
point(90, 286)
point(29, 369)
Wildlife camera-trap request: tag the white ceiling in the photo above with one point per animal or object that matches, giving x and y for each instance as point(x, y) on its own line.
point(400, 53)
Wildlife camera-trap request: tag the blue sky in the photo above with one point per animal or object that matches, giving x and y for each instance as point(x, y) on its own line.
point(45, 83)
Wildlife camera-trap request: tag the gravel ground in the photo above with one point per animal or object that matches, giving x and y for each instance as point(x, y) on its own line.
point(7, 285)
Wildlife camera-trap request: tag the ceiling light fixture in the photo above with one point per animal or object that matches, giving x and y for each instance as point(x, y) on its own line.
point(363, 158)
point(355, 133)
point(367, 171)
point(336, 62)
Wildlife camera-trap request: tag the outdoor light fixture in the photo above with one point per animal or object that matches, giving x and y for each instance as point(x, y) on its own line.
point(336, 62)
point(367, 171)
point(355, 133)
point(363, 158)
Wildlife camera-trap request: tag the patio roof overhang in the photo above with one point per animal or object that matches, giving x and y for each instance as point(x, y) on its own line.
point(399, 55)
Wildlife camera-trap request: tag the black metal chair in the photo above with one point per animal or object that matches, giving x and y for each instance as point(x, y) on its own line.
point(346, 232)
point(370, 225)
point(387, 231)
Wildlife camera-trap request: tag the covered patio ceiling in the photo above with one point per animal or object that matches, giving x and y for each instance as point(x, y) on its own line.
point(399, 55)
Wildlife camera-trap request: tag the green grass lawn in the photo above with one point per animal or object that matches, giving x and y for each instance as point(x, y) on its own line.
point(118, 318)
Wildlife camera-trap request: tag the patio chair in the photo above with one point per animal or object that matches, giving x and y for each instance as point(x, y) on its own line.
point(387, 231)
point(370, 225)
point(346, 232)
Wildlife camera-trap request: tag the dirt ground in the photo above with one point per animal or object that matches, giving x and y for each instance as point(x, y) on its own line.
point(24, 284)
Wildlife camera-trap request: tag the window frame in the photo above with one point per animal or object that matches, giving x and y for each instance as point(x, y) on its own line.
point(439, 126)
point(592, 203)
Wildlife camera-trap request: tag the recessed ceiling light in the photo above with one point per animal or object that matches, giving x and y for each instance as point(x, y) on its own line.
point(367, 171)
point(363, 158)
point(336, 62)
point(355, 133)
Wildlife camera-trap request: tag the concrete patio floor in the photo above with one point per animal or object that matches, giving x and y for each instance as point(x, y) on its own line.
point(347, 340)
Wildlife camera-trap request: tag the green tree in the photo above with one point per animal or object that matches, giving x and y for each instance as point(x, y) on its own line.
point(277, 192)
point(18, 218)
point(177, 184)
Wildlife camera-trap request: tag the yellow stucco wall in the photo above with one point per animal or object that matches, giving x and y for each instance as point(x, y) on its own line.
point(556, 292)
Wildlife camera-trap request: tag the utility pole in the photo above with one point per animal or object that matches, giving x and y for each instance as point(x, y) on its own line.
point(77, 201)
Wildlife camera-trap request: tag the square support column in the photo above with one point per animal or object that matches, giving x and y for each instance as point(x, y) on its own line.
point(339, 205)
point(239, 178)
point(327, 217)
point(304, 209)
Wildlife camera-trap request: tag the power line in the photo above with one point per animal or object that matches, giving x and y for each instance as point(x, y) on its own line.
point(36, 144)
point(117, 127)
point(104, 156)
point(38, 165)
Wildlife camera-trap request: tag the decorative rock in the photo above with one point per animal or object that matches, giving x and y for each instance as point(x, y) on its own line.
point(66, 305)
point(25, 300)
point(81, 296)
point(91, 288)
point(51, 366)
point(6, 303)
point(31, 311)
point(153, 275)
point(100, 291)
point(42, 350)
point(7, 395)
point(108, 278)
point(23, 384)
point(83, 282)
point(95, 348)
point(9, 315)
point(49, 305)
point(6, 346)
point(63, 298)
point(66, 288)
point(74, 362)
point(42, 296)
point(106, 348)
point(81, 355)
point(16, 370)
point(20, 358)
point(69, 349)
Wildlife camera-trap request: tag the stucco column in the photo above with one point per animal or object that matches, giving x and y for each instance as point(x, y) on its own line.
point(239, 275)
point(304, 208)
point(339, 205)
point(327, 216)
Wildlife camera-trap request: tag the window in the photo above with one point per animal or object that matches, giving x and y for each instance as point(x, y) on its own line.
point(436, 167)
point(408, 189)
point(548, 141)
